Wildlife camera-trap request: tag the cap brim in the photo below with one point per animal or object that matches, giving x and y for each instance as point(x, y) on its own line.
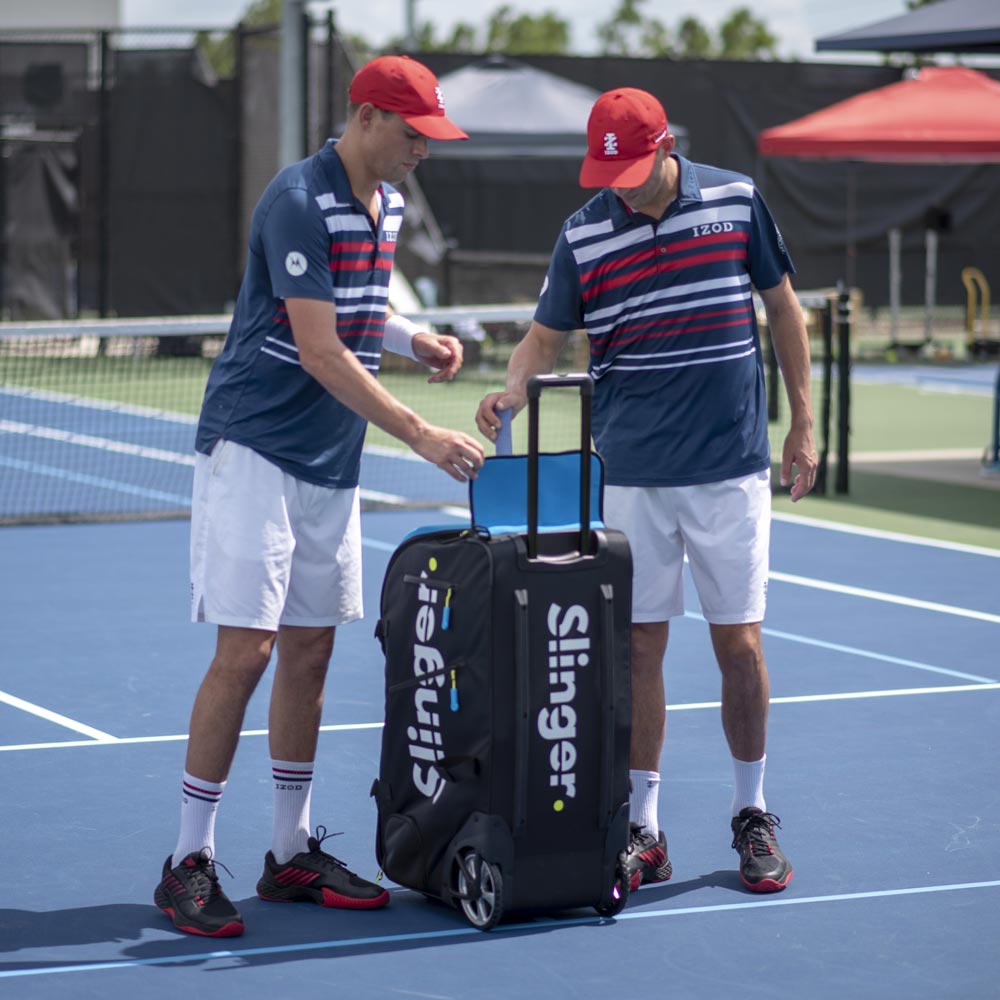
point(434, 126)
point(616, 173)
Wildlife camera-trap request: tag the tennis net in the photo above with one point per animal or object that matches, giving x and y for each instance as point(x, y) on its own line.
point(98, 417)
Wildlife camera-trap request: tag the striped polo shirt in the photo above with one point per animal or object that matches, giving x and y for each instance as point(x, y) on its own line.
point(310, 238)
point(668, 308)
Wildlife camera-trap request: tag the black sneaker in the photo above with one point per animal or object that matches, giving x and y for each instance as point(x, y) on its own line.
point(647, 858)
point(190, 895)
point(763, 868)
point(314, 876)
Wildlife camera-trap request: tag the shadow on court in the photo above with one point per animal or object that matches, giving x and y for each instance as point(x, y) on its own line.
point(279, 934)
point(20, 929)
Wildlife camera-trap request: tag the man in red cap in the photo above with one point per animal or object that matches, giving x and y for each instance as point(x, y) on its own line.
point(275, 538)
point(659, 269)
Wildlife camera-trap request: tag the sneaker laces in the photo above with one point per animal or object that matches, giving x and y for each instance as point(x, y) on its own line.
point(639, 840)
point(202, 875)
point(758, 831)
point(315, 847)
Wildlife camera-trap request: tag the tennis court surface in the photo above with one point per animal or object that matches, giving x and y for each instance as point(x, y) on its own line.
point(883, 766)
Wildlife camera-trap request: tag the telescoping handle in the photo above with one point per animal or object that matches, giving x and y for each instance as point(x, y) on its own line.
point(535, 386)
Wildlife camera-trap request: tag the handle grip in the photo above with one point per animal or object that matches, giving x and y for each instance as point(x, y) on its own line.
point(505, 439)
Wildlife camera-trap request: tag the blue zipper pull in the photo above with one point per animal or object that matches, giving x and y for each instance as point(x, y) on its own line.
point(454, 692)
point(446, 614)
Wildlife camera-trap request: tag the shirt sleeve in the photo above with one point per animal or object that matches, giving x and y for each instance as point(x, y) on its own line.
point(769, 260)
point(297, 247)
point(560, 304)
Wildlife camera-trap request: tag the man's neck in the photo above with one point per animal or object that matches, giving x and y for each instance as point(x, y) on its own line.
point(364, 186)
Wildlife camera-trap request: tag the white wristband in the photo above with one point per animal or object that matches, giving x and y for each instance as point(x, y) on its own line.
point(398, 336)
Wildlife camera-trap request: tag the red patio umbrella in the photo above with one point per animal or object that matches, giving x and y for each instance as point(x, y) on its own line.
point(939, 115)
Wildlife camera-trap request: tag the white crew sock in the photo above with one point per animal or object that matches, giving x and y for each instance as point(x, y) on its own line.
point(643, 802)
point(748, 786)
point(292, 796)
point(199, 804)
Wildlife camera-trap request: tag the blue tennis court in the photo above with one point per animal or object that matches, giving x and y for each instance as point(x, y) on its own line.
point(885, 670)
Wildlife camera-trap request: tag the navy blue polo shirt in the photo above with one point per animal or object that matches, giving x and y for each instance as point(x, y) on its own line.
point(310, 238)
point(668, 309)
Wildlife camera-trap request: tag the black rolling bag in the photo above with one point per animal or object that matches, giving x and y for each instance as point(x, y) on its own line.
point(503, 782)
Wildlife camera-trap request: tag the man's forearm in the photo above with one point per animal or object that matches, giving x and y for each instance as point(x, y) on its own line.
point(535, 355)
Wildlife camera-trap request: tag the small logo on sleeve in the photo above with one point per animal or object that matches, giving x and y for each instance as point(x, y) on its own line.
point(296, 264)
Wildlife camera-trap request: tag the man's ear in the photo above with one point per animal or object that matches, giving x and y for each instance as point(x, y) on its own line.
point(366, 115)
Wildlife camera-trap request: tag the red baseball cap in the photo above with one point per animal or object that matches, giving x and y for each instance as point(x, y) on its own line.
point(624, 131)
point(403, 85)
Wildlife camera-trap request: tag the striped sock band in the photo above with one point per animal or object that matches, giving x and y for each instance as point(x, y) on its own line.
point(199, 804)
point(292, 796)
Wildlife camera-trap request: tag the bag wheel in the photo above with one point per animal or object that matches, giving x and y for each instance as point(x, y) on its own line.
point(619, 891)
point(479, 889)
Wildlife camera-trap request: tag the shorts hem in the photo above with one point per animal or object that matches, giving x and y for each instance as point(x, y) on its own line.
point(751, 618)
point(652, 617)
point(230, 621)
point(330, 621)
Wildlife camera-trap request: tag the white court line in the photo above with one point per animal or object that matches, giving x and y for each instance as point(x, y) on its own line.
point(547, 924)
point(878, 595)
point(688, 706)
point(101, 444)
point(865, 653)
point(61, 720)
point(889, 536)
point(928, 455)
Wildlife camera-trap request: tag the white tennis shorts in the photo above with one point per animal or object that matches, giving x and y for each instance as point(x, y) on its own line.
point(268, 549)
point(724, 529)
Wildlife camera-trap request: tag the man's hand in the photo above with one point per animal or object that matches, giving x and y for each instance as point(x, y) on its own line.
point(443, 352)
point(457, 453)
point(488, 414)
point(799, 451)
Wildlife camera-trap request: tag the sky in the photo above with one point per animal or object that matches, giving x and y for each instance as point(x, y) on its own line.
point(796, 23)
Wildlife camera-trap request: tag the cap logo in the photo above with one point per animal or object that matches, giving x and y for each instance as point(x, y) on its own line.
point(610, 144)
point(440, 97)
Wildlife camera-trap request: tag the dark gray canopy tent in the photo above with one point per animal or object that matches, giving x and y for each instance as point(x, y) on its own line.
point(510, 187)
point(511, 109)
point(947, 26)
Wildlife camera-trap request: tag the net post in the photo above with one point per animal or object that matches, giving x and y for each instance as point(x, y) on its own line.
point(826, 327)
point(843, 388)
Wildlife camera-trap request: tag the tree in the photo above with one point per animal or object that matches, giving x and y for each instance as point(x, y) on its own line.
point(462, 39)
point(629, 33)
point(693, 40)
point(220, 50)
point(525, 34)
point(743, 36)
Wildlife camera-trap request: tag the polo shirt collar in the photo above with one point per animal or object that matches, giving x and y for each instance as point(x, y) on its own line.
point(340, 183)
point(688, 193)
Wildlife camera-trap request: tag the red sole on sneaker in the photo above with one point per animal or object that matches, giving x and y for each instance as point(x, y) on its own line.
point(233, 929)
point(767, 884)
point(331, 898)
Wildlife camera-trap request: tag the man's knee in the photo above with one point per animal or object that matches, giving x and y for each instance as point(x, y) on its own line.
point(738, 647)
